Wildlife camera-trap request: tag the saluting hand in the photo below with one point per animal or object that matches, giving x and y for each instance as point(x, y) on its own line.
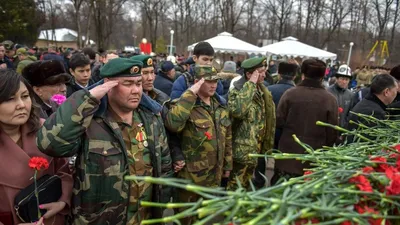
point(101, 90)
point(254, 76)
point(196, 87)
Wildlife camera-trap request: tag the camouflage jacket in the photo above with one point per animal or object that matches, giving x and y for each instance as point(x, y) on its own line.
point(206, 137)
point(173, 140)
point(252, 132)
point(84, 127)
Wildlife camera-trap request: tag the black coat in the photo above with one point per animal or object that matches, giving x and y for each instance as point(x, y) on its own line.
point(279, 88)
point(72, 87)
point(345, 101)
point(163, 83)
point(370, 105)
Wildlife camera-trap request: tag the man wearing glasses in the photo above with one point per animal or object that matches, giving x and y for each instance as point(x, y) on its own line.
point(253, 113)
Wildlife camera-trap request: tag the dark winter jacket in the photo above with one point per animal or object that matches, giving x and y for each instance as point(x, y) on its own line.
point(345, 101)
point(163, 83)
point(370, 105)
point(7, 61)
point(278, 89)
point(73, 87)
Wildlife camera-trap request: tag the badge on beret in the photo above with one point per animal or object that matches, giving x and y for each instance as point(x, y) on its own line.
point(135, 69)
point(150, 62)
point(264, 62)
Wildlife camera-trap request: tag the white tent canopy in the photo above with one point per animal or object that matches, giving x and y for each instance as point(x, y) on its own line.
point(291, 47)
point(226, 43)
point(59, 35)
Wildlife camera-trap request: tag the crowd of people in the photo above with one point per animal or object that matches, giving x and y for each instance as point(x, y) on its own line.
point(194, 120)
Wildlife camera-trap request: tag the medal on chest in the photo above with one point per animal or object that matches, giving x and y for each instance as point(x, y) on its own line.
point(141, 137)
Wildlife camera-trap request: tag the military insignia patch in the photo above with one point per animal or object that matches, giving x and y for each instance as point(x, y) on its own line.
point(150, 62)
point(135, 69)
point(214, 70)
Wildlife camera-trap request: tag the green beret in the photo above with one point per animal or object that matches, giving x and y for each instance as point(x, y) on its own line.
point(121, 67)
point(145, 59)
point(206, 72)
point(254, 63)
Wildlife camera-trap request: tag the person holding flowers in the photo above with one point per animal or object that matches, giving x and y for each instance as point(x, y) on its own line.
point(20, 158)
point(202, 119)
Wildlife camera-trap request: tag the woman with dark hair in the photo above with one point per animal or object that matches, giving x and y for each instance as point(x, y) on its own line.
point(19, 121)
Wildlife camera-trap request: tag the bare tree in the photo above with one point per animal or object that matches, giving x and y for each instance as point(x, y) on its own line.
point(231, 12)
point(382, 9)
point(77, 6)
point(281, 9)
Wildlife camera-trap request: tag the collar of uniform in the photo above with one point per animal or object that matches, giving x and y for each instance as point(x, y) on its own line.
point(116, 118)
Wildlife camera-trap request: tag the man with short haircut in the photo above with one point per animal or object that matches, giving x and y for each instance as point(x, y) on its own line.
point(298, 111)
point(203, 54)
point(115, 131)
point(5, 62)
point(79, 67)
point(383, 91)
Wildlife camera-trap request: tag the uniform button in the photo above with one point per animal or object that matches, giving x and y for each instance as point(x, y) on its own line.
point(105, 152)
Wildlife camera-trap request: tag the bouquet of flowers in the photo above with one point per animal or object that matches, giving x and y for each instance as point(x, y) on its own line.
point(356, 183)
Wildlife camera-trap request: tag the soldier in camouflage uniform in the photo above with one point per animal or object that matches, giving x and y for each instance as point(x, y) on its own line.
point(253, 128)
point(201, 117)
point(115, 131)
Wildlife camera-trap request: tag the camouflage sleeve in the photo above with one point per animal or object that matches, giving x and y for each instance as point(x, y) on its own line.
point(228, 162)
point(180, 111)
point(239, 99)
point(60, 135)
point(166, 161)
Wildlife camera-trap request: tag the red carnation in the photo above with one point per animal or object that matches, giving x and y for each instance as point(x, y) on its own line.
point(346, 223)
point(397, 147)
point(382, 166)
point(394, 186)
point(340, 110)
point(208, 135)
point(307, 172)
point(362, 183)
point(38, 163)
point(368, 169)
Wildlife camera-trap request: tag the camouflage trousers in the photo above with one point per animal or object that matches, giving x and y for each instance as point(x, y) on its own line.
point(243, 174)
point(136, 218)
point(184, 196)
